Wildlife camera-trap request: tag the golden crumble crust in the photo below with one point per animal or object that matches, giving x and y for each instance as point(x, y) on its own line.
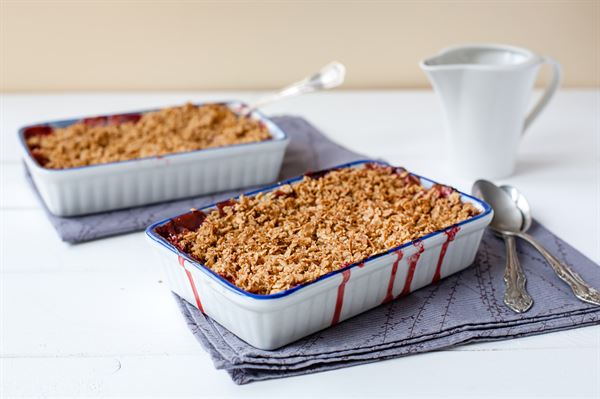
point(275, 241)
point(167, 131)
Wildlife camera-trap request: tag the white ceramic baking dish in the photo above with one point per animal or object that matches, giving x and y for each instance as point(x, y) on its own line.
point(271, 321)
point(103, 187)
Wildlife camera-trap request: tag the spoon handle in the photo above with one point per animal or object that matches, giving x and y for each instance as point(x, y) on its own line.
point(330, 76)
point(516, 296)
point(581, 289)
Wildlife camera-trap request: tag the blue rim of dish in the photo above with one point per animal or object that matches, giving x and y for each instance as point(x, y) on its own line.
point(150, 232)
point(271, 126)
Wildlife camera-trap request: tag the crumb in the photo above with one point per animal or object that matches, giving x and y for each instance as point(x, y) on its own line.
point(275, 241)
point(170, 130)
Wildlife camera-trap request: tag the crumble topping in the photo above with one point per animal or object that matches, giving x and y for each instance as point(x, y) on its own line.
point(275, 241)
point(123, 137)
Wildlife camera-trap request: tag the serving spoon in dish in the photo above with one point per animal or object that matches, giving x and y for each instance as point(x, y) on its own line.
point(330, 76)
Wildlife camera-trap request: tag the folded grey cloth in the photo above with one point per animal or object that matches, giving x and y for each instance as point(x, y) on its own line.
point(463, 308)
point(308, 150)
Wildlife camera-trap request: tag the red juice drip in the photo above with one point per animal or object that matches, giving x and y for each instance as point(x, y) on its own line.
point(412, 265)
point(317, 174)
point(374, 166)
point(412, 179)
point(39, 158)
point(192, 283)
point(182, 224)
point(221, 205)
point(451, 234)
point(408, 178)
point(123, 118)
point(40, 130)
point(389, 296)
point(111, 120)
point(340, 298)
point(445, 191)
point(95, 121)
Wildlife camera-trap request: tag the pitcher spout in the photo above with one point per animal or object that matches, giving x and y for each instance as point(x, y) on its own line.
point(481, 57)
point(473, 71)
point(446, 78)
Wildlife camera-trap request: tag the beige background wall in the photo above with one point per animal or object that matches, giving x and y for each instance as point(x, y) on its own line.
point(119, 45)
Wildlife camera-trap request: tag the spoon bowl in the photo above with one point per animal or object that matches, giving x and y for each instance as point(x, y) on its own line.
point(507, 217)
point(522, 203)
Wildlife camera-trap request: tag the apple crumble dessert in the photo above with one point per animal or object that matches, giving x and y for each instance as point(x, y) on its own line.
point(130, 136)
point(274, 241)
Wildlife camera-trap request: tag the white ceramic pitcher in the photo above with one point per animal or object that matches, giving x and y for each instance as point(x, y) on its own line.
point(485, 91)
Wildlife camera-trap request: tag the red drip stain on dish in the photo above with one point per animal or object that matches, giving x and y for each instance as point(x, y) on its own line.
point(39, 158)
point(111, 120)
point(339, 302)
point(163, 159)
point(95, 121)
point(281, 193)
point(192, 284)
point(412, 266)
point(361, 265)
point(451, 234)
point(221, 205)
point(406, 177)
point(182, 224)
point(33, 131)
point(317, 174)
point(123, 118)
point(226, 277)
point(39, 130)
point(445, 191)
point(411, 179)
point(389, 295)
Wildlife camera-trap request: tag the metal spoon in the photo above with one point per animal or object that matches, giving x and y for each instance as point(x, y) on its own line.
point(328, 77)
point(506, 218)
point(581, 289)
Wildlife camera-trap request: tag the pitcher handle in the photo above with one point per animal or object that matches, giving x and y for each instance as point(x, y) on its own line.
point(550, 90)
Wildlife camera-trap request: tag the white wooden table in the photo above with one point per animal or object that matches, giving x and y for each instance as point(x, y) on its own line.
point(95, 319)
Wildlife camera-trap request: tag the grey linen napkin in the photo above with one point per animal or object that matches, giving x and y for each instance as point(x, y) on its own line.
point(463, 308)
point(308, 150)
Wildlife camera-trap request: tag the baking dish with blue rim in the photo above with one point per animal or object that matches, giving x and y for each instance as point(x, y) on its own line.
point(135, 182)
point(271, 321)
